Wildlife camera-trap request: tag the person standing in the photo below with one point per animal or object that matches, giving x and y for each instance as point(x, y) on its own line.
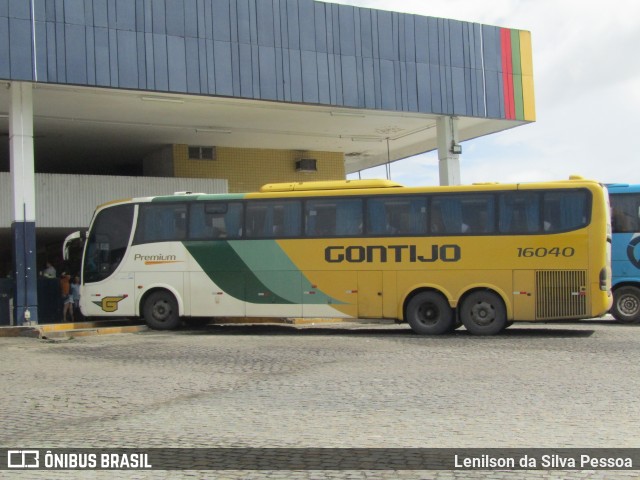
point(75, 294)
point(49, 271)
point(67, 298)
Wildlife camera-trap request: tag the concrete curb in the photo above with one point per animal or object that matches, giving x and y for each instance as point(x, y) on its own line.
point(68, 330)
point(32, 332)
point(85, 332)
point(108, 327)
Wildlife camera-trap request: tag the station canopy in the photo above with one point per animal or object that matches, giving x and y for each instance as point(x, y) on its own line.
point(109, 131)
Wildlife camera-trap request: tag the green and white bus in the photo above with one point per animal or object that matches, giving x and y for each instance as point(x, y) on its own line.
point(482, 256)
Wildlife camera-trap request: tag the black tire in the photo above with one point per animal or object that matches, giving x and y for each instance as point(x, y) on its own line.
point(483, 313)
point(626, 304)
point(161, 311)
point(429, 313)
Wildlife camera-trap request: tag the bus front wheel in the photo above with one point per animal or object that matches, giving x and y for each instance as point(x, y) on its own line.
point(161, 311)
point(626, 304)
point(429, 313)
point(483, 313)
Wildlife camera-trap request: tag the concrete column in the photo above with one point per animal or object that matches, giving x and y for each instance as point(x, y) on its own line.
point(23, 226)
point(449, 161)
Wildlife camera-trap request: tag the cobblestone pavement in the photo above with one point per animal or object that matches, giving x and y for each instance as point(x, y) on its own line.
point(326, 385)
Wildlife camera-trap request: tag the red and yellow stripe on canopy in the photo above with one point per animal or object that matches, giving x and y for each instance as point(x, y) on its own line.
point(517, 75)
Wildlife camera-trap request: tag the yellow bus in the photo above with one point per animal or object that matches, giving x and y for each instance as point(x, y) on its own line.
point(482, 256)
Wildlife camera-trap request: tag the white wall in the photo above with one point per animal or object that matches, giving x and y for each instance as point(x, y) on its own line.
point(68, 201)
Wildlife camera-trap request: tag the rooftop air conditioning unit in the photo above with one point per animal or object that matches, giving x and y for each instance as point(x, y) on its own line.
point(306, 165)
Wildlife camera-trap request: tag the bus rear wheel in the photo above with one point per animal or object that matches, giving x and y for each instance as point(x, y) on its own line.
point(626, 304)
point(483, 313)
point(161, 311)
point(429, 313)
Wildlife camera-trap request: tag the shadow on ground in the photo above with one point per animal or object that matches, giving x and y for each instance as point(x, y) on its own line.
point(363, 330)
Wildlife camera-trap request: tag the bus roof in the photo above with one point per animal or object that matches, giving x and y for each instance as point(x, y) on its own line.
point(328, 185)
point(355, 187)
point(622, 187)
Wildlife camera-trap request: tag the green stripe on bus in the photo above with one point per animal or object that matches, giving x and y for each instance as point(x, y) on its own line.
point(274, 268)
point(228, 271)
point(254, 271)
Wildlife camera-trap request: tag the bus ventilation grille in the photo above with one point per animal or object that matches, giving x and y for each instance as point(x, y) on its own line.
point(561, 294)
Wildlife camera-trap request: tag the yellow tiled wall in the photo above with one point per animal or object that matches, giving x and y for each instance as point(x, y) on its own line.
point(247, 169)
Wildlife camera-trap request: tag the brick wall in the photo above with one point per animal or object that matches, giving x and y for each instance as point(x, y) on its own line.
point(247, 169)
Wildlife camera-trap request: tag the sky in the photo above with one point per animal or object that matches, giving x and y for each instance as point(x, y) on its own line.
point(586, 73)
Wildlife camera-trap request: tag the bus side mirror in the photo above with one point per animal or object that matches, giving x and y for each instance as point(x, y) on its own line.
point(67, 241)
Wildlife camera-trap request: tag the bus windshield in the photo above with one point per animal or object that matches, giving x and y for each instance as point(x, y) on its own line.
point(107, 243)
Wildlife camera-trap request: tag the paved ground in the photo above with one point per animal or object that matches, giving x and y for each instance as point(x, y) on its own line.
point(338, 385)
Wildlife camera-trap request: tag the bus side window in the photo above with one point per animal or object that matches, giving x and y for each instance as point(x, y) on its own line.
point(325, 221)
point(376, 216)
point(215, 220)
point(406, 215)
point(161, 223)
point(446, 215)
point(255, 220)
point(199, 225)
point(463, 214)
point(565, 210)
point(519, 212)
point(230, 222)
point(273, 219)
point(287, 219)
point(218, 227)
point(621, 222)
point(348, 217)
point(478, 213)
point(625, 217)
point(320, 218)
point(436, 225)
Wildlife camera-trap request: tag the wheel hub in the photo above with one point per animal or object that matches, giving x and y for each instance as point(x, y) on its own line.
point(429, 313)
point(160, 311)
point(483, 313)
point(628, 305)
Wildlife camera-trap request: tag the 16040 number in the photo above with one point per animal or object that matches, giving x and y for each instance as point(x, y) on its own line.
point(546, 252)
